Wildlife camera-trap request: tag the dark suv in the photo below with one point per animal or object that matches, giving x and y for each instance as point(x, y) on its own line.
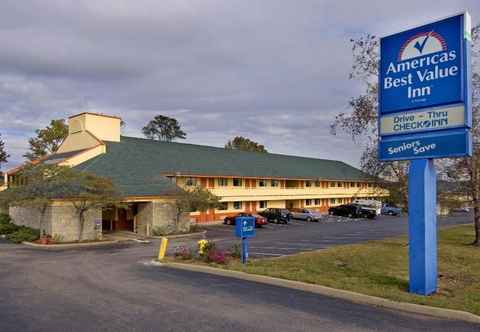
point(276, 215)
point(352, 211)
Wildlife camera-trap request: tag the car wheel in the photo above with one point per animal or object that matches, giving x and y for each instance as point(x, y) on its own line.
point(309, 219)
point(350, 215)
point(275, 221)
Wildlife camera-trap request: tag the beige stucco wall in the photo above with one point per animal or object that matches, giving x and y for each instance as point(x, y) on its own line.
point(78, 141)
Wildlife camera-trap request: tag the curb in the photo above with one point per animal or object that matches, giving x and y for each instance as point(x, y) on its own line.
point(333, 292)
point(180, 236)
point(69, 245)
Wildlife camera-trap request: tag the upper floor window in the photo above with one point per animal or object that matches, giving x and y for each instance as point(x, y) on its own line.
point(190, 182)
point(359, 184)
point(352, 184)
point(237, 205)
point(332, 184)
point(222, 182)
point(237, 182)
point(317, 183)
point(370, 185)
point(339, 184)
point(262, 183)
point(308, 183)
point(274, 183)
point(263, 204)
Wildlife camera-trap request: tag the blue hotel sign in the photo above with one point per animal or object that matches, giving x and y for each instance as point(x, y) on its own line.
point(424, 91)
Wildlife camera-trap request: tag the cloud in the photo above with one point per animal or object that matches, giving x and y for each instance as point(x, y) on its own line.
point(275, 71)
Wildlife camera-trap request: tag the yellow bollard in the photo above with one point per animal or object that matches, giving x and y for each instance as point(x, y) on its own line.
point(163, 248)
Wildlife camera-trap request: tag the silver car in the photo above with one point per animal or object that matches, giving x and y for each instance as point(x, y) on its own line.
point(306, 214)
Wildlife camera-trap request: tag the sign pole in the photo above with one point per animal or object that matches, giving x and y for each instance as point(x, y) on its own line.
point(244, 250)
point(422, 226)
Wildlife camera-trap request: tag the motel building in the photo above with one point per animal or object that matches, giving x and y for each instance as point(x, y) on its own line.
point(149, 173)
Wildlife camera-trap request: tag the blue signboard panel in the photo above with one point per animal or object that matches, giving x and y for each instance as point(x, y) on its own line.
point(452, 143)
point(423, 67)
point(245, 227)
point(424, 91)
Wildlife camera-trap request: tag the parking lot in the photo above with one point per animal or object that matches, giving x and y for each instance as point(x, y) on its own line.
point(275, 240)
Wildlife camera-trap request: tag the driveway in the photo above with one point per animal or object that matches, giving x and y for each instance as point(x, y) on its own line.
point(116, 289)
point(277, 240)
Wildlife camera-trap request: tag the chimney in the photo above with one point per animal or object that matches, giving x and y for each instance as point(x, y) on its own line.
point(103, 127)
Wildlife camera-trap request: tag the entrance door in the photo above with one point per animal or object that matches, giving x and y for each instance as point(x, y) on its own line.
point(124, 221)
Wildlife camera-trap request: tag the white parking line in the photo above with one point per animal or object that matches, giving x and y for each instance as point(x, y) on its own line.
point(265, 254)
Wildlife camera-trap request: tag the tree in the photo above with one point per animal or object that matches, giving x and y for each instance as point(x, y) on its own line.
point(3, 153)
point(48, 140)
point(41, 184)
point(163, 128)
point(196, 199)
point(361, 123)
point(244, 144)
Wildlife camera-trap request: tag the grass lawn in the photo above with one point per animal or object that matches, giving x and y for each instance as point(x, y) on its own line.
point(380, 268)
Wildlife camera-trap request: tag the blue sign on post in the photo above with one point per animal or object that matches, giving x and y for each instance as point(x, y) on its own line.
point(244, 229)
point(425, 113)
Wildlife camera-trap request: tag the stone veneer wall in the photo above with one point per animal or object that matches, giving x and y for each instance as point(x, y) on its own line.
point(160, 216)
point(60, 220)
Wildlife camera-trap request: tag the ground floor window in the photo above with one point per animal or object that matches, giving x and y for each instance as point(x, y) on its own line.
point(317, 202)
point(263, 204)
point(237, 205)
point(223, 206)
point(332, 201)
point(308, 202)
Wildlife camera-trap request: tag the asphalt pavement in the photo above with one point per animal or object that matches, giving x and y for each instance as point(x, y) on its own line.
point(118, 289)
point(275, 240)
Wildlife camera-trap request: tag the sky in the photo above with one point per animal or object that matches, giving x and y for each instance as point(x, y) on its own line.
point(275, 71)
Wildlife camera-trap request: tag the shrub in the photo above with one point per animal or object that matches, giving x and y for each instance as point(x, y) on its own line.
point(4, 219)
point(204, 247)
point(183, 252)
point(24, 234)
point(8, 228)
point(236, 251)
point(217, 256)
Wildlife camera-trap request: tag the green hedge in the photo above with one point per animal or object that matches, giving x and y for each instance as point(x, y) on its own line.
point(4, 218)
point(24, 234)
point(17, 234)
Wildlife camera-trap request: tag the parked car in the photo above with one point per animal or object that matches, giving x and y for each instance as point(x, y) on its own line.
point(391, 210)
point(370, 204)
point(259, 220)
point(277, 215)
point(352, 211)
point(306, 214)
point(460, 210)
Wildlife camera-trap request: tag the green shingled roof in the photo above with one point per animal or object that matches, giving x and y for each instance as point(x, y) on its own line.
point(138, 165)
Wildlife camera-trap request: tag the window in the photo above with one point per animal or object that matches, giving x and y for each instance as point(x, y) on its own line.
point(190, 182)
point(339, 184)
point(308, 202)
point(352, 184)
point(223, 206)
point(308, 183)
point(263, 204)
point(237, 182)
point(237, 205)
point(317, 202)
point(332, 184)
point(274, 183)
point(222, 182)
point(317, 183)
point(262, 183)
point(370, 185)
point(359, 184)
point(332, 201)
